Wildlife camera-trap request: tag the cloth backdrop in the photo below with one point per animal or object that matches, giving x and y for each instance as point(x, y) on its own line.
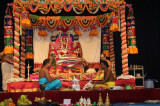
point(91, 46)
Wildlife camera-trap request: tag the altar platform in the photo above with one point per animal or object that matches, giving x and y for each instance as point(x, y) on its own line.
point(116, 96)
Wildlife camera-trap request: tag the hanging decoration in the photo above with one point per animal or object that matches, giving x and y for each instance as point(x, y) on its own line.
point(44, 9)
point(57, 8)
point(76, 30)
point(105, 41)
point(29, 46)
point(85, 23)
point(42, 31)
point(132, 49)
point(34, 20)
point(22, 64)
point(114, 27)
point(33, 7)
point(68, 22)
point(78, 8)
point(67, 7)
point(102, 19)
point(25, 21)
point(16, 60)
point(124, 42)
point(104, 7)
point(94, 31)
point(93, 8)
point(52, 22)
point(8, 32)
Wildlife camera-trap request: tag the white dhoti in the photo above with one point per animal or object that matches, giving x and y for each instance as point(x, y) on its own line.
point(7, 72)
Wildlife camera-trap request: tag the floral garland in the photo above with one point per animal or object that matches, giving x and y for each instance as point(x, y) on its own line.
point(57, 8)
point(79, 8)
point(32, 8)
point(92, 8)
point(51, 24)
point(104, 7)
point(102, 20)
point(68, 22)
point(43, 8)
point(67, 7)
point(85, 23)
point(34, 20)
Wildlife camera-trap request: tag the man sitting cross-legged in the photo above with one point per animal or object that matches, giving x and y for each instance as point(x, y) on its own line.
point(46, 82)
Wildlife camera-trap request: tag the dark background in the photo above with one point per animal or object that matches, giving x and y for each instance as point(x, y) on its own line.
point(147, 23)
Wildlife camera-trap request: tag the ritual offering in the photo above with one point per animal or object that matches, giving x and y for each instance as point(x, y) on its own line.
point(7, 102)
point(42, 101)
point(23, 100)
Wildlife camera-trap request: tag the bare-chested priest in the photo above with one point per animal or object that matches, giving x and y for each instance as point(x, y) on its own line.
point(46, 82)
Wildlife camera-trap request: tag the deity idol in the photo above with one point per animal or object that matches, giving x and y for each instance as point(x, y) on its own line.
point(67, 53)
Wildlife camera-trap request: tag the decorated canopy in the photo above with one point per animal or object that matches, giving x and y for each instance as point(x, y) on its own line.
point(25, 20)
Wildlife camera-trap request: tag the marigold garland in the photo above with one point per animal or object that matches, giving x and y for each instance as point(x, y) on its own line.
point(92, 8)
point(33, 10)
point(8, 50)
point(42, 33)
point(43, 8)
point(67, 7)
point(68, 22)
point(79, 8)
point(51, 24)
point(102, 20)
point(85, 23)
point(34, 20)
point(102, 8)
point(57, 8)
point(29, 56)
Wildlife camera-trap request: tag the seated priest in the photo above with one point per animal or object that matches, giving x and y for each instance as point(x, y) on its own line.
point(46, 82)
point(108, 75)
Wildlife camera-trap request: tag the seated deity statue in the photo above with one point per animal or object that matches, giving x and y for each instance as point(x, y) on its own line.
point(67, 53)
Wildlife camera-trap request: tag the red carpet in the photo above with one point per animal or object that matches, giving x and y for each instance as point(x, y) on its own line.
point(115, 96)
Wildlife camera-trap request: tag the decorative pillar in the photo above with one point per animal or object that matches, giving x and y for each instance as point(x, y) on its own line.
point(124, 41)
point(16, 60)
point(23, 54)
point(112, 55)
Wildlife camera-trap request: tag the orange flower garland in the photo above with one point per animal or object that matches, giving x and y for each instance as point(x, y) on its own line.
point(8, 50)
point(42, 33)
point(29, 56)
